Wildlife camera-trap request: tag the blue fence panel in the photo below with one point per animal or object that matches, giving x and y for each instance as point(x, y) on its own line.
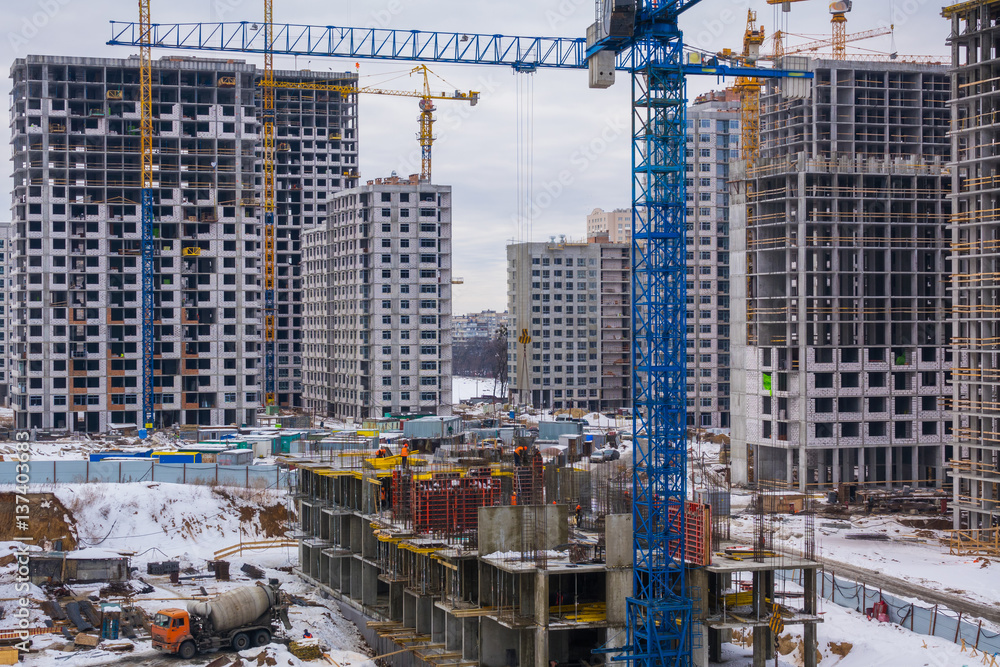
point(99, 471)
point(137, 471)
point(71, 472)
point(938, 621)
point(79, 472)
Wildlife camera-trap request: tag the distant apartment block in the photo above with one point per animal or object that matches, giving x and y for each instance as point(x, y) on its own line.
point(378, 302)
point(572, 301)
point(840, 242)
point(483, 325)
point(616, 225)
point(713, 131)
point(76, 330)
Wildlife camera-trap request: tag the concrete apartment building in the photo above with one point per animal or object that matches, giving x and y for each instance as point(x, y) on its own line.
point(616, 225)
point(573, 299)
point(713, 131)
point(76, 334)
point(5, 293)
point(482, 325)
point(975, 29)
point(840, 309)
point(378, 302)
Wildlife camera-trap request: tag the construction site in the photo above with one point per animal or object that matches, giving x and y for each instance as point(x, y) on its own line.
point(761, 431)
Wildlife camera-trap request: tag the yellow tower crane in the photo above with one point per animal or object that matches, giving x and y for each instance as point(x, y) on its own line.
point(749, 89)
point(427, 108)
point(838, 22)
point(270, 335)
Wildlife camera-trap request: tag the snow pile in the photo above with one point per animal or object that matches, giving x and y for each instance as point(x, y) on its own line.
point(170, 521)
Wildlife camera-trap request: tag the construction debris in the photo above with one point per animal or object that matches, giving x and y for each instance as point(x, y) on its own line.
point(252, 571)
point(306, 650)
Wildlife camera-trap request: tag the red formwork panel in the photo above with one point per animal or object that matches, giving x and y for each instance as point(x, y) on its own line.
point(697, 532)
point(448, 504)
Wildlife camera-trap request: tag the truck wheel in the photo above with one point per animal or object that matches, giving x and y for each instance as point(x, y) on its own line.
point(187, 650)
point(241, 642)
point(261, 638)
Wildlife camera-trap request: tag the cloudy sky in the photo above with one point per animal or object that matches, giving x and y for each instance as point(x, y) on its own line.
point(580, 137)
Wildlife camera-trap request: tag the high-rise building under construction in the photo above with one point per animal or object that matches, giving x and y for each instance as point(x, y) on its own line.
point(975, 100)
point(840, 315)
point(76, 330)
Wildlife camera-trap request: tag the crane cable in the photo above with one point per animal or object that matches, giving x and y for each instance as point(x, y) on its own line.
point(524, 149)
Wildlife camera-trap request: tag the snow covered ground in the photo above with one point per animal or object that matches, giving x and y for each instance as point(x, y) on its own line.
point(464, 388)
point(848, 639)
point(188, 523)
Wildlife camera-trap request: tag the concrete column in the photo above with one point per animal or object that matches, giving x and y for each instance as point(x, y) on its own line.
point(803, 471)
point(409, 610)
point(541, 619)
point(809, 607)
point(396, 601)
point(761, 635)
point(888, 466)
point(425, 614)
point(439, 619)
point(788, 467)
point(837, 453)
point(699, 591)
point(861, 465)
point(915, 464)
point(470, 638)
point(369, 585)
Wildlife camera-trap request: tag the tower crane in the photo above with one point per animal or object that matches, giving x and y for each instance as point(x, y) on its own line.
point(644, 40)
point(268, 117)
point(146, 209)
point(838, 22)
point(426, 104)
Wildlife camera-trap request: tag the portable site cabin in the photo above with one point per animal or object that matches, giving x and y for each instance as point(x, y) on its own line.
point(235, 457)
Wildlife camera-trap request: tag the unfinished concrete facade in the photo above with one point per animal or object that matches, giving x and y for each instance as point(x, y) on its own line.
point(76, 236)
point(496, 595)
point(975, 107)
point(378, 302)
point(573, 300)
point(840, 312)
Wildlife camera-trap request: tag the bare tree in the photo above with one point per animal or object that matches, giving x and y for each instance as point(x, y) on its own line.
point(498, 361)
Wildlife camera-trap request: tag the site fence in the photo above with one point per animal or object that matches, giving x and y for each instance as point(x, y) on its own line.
point(147, 470)
point(936, 621)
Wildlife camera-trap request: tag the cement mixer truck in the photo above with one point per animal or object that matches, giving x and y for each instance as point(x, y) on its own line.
point(237, 620)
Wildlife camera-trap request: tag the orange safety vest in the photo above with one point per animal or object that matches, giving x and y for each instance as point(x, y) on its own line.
point(406, 450)
point(513, 499)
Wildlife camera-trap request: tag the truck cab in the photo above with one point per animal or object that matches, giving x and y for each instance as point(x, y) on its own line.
point(170, 628)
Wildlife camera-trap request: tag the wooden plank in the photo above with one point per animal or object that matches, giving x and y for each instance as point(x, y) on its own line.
point(478, 611)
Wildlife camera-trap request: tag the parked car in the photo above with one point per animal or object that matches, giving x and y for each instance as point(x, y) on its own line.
point(601, 455)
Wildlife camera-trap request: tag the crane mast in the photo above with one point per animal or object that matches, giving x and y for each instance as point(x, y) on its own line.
point(267, 90)
point(146, 195)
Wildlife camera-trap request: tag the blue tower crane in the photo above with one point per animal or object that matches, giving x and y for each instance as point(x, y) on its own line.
point(640, 37)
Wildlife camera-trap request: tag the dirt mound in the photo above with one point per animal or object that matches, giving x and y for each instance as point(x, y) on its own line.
point(258, 508)
point(841, 648)
point(47, 519)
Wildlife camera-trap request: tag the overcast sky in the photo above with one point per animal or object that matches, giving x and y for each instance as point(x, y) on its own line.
point(579, 134)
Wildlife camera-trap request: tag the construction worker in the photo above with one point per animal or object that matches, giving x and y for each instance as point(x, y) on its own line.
point(383, 498)
point(405, 453)
point(579, 513)
point(513, 498)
